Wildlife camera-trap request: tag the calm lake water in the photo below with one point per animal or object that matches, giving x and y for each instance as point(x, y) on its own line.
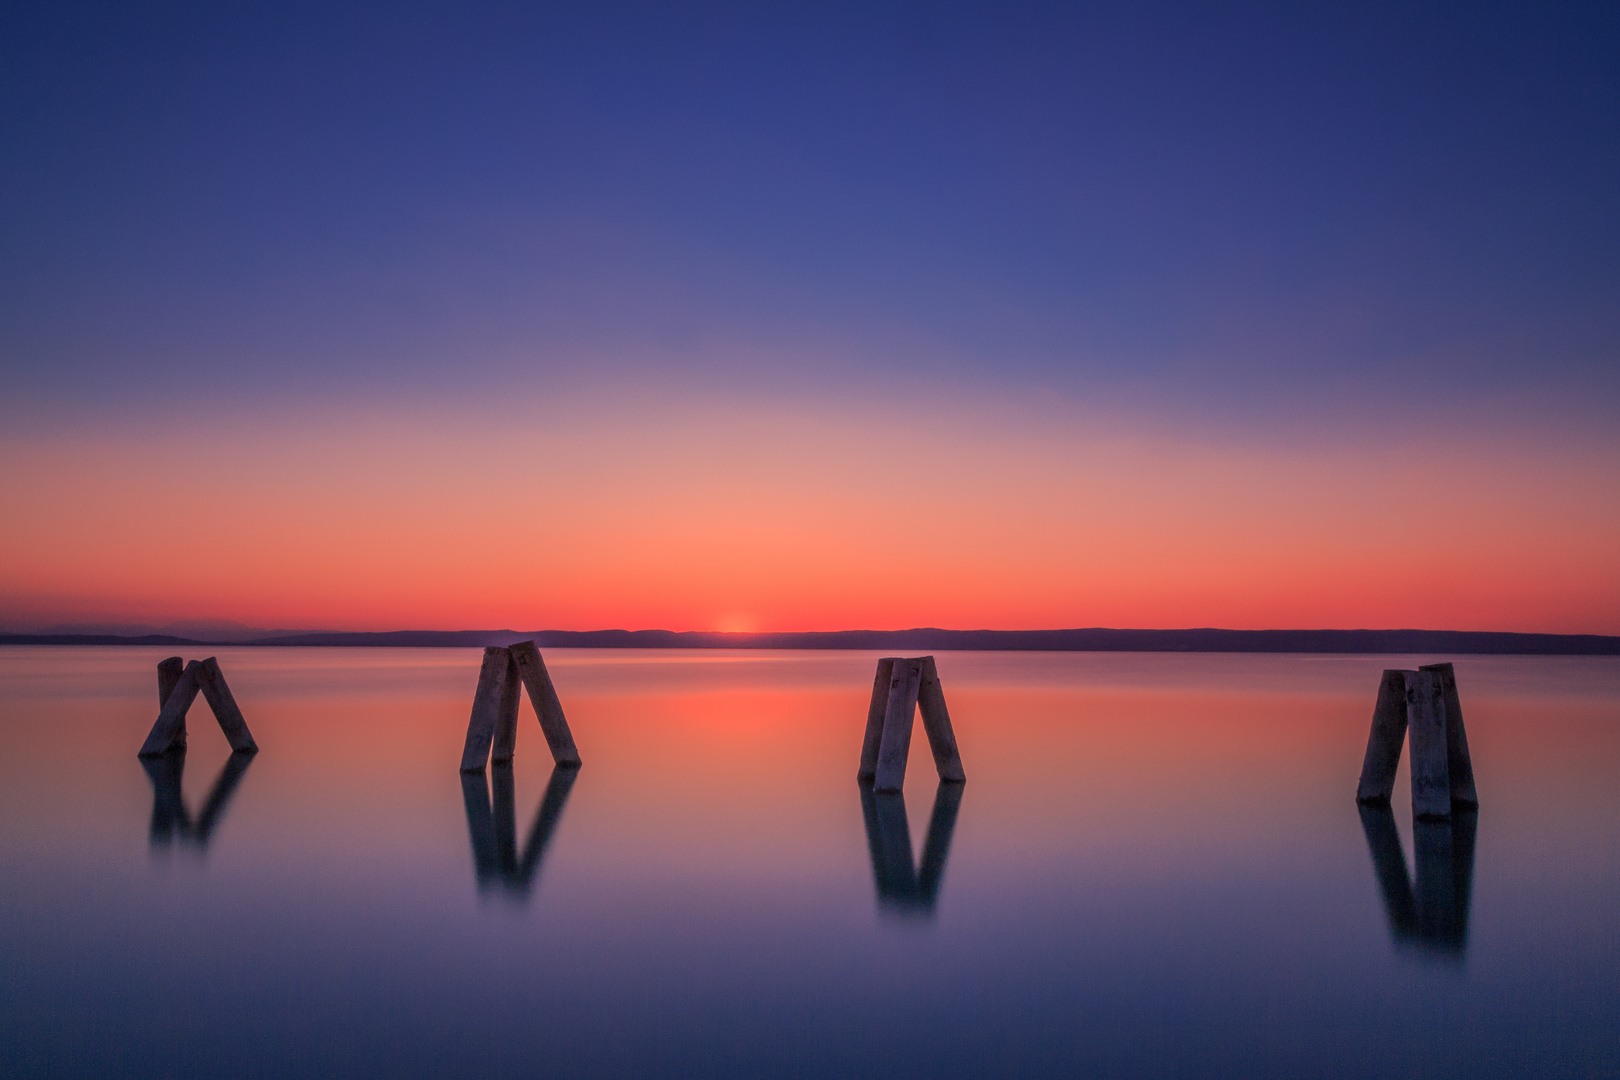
point(1156, 868)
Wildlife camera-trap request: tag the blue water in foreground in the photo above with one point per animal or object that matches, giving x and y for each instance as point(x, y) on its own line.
point(1156, 868)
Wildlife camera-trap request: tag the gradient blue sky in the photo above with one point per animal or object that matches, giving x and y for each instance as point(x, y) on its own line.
point(1266, 229)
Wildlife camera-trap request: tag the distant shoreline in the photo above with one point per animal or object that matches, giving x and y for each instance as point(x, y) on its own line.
point(923, 639)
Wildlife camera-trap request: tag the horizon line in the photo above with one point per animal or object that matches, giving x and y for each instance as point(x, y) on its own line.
point(1084, 639)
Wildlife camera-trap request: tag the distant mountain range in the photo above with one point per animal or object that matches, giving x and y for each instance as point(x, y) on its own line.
point(1096, 639)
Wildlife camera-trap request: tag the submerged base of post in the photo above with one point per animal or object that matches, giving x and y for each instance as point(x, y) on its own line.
point(900, 688)
point(1423, 704)
point(492, 728)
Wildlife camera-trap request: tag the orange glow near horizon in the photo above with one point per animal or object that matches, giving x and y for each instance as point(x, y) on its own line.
point(704, 520)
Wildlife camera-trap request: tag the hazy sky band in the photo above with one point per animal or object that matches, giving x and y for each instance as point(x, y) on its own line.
point(1305, 255)
point(712, 514)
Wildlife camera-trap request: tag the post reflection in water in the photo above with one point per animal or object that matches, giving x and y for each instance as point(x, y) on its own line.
point(902, 887)
point(171, 821)
point(1433, 917)
point(492, 827)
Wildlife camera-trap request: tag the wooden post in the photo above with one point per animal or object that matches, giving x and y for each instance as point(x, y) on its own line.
point(1460, 766)
point(1384, 741)
point(169, 672)
point(212, 681)
point(168, 732)
point(486, 708)
point(506, 719)
point(875, 711)
point(1426, 726)
point(901, 710)
point(547, 707)
point(937, 723)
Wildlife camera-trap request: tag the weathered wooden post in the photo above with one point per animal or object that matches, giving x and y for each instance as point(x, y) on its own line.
point(898, 715)
point(486, 708)
point(1459, 764)
point(169, 731)
point(505, 743)
point(221, 701)
point(874, 719)
point(937, 723)
point(547, 706)
point(169, 672)
point(900, 687)
point(1426, 735)
point(1385, 741)
point(492, 728)
point(1424, 704)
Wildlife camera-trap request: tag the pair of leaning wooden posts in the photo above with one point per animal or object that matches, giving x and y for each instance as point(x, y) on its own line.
point(492, 728)
point(1422, 705)
point(902, 687)
point(178, 685)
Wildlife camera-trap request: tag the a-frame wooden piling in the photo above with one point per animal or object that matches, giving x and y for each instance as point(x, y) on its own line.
point(492, 728)
point(1421, 708)
point(901, 687)
point(178, 686)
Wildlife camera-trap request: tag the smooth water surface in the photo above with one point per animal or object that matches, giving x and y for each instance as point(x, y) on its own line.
point(1156, 868)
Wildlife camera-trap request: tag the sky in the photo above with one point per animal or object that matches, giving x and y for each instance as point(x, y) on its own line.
point(760, 317)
